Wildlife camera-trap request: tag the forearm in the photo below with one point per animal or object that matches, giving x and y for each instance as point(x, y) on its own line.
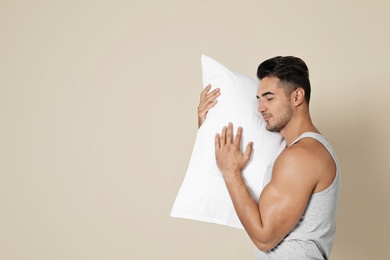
point(258, 224)
point(248, 212)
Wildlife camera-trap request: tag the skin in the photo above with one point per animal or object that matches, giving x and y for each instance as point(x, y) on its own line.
point(300, 170)
point(207, 101)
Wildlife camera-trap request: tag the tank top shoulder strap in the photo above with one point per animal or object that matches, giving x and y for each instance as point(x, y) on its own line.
point(320, 138)
point(313, 135)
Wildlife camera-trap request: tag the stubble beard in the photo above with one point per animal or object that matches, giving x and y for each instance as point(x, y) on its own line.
point(282, 122)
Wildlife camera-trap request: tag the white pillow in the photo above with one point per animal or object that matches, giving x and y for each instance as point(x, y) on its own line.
point(203, 195)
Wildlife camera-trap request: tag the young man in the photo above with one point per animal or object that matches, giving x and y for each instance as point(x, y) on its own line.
point(295, 217)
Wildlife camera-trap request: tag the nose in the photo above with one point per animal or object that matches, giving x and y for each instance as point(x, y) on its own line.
point(261, 107)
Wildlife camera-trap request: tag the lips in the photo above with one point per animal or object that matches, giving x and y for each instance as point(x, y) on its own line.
point(266, 117)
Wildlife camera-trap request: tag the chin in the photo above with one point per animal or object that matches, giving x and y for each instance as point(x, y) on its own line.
point(272, 129)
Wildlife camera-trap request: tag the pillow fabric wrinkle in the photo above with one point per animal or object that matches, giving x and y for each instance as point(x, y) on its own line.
point(203, 195)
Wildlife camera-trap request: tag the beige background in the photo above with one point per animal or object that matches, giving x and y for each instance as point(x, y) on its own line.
point(98, 117)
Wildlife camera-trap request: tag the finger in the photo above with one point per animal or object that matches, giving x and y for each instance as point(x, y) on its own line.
point(248, 151)
point(237, 139)
point(205, 91)
point(209, 97)
point(202, 112)
point(222, 139)
point(229, 133)
point(210, 105)
point(209, 100)
point(217, 143)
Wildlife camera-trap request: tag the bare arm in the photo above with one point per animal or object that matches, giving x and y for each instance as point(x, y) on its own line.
point(207, 101)
point(282, 201)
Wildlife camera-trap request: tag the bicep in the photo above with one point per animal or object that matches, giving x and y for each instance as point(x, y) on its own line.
point(280, 211)
point(284, 200)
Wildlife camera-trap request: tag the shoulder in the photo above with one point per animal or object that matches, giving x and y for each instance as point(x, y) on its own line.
point(306, 163)
point(307, 151)
point(295, 165)
point(306, 148)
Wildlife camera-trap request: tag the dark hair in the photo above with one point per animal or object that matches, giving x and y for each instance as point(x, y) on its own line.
point(292, 72)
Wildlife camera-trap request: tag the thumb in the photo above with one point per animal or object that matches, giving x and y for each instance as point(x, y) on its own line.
point(248, 151)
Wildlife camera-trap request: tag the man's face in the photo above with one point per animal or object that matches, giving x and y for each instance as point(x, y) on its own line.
point(274, 104)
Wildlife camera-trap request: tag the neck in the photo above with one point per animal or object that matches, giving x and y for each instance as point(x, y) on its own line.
point(297, 126)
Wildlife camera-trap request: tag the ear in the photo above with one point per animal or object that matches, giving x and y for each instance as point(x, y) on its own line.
point(299, 96)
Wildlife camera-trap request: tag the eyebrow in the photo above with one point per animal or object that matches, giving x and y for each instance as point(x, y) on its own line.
point(265, 94)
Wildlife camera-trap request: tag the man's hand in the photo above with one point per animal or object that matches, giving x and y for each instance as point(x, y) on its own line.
point(228, 154)
point(207, 101)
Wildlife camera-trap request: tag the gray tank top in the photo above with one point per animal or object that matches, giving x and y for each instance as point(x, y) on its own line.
point(312, 237)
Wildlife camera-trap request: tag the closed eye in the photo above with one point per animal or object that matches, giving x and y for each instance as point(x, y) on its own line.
point(267, 95)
